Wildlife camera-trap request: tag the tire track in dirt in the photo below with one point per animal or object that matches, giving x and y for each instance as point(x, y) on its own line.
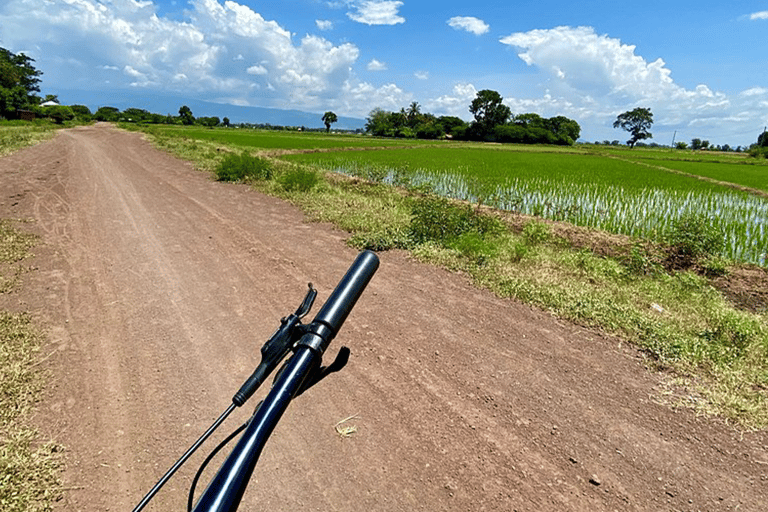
point(157, 287)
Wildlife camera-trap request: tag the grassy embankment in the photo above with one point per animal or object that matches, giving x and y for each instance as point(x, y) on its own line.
point(28, 468)
point(716, 355)
point(15, 135)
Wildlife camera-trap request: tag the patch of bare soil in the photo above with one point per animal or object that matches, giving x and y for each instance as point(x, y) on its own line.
point(157, 287)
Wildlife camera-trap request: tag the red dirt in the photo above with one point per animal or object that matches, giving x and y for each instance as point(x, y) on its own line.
point(157, 286)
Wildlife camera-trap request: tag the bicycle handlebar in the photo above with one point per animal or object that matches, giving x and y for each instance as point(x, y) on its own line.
point(225, 491)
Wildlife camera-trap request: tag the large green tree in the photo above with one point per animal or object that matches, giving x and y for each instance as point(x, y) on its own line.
point(565, 128)
point(762, 140)
point(637, 122)
point(489, 111)
point(185, 113)
point(18, 83)
point(329, 118)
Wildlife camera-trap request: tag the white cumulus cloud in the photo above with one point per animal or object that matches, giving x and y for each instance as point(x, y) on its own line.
point(457, 102)
point(470, 24)
point(222, 49)
point(377, 12)
point(375, 65)
point(594, 77)
point(257, 70)
point(324, 24)
point(762, 15)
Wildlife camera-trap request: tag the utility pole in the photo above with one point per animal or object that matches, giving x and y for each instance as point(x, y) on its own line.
point(673, 138)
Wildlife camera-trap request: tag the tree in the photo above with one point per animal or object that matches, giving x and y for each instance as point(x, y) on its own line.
point(210, 122)
point(531, 120)
point(186, 115)
point(637, 122)
point(225, 122)
point(329, 118)
point(81, 111)
point(18, 83)
point(377, 123)
point(565, 129)
point(489, 111)
point(413, 114)
point(450, 122)
point(59, 113)
point(762, 140)
point(107, 114)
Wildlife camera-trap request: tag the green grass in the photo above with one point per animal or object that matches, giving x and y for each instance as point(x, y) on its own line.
point(14, 247)
point(677, 318)
point(272, 139)
point(15, 135)
point(28, 468)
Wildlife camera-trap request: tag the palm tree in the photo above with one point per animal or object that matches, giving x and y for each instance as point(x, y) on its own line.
point(413, 113)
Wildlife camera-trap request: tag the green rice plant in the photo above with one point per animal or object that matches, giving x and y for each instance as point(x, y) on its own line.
point(576, 188)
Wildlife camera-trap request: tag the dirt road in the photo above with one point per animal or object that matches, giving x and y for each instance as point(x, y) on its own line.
point(157, 286)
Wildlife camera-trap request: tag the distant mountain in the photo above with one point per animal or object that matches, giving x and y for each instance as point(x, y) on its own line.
point(171, 104)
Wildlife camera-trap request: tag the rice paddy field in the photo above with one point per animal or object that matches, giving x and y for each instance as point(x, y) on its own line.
point(640, 192)
point(619, 196)
point(275, 139)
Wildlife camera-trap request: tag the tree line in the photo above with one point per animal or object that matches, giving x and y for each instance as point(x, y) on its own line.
point(493, 122)
point(19, 83)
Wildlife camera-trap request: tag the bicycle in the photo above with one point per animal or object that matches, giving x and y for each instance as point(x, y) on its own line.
point(302, 370)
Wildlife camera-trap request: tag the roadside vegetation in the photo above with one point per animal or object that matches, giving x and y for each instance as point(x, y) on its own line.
point(28, 468)
point(15, 135)
point(656, 292)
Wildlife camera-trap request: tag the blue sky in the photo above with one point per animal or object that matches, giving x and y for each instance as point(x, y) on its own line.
point(699, 65)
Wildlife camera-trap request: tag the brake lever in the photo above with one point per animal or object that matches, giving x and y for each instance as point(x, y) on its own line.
point(276, 348)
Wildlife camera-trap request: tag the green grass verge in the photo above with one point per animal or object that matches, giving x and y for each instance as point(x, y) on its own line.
point(15, 135)
point(28, 468)
point(683, 324)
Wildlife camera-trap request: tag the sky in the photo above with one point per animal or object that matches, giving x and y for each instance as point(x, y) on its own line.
point(700, 66)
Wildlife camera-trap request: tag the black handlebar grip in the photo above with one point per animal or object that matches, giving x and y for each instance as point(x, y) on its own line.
point(336, 309)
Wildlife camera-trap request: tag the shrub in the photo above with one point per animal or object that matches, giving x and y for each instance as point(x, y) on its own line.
point(535, 233)
point(299, 180)
point(382, 240)
point(475, 246)
point(640, 261)
point(243, 167)
point(693, 237)
point(435, 219)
